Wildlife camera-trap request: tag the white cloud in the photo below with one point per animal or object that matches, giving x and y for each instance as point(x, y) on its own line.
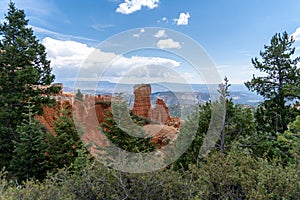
point(131, 6)
point(59, 36)
point(101, 27)
point(183, 19)
point(139, 69)
point(168, 44)
point(296, 34)
point(136, 61)
point(150, 74)
point(163, 19)
point(238, 74)
point(66, 53)
point(160, 33)
point(67, 57)
point(137, 35)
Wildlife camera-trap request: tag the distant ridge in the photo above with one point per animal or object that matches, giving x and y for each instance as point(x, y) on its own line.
point(238, 92)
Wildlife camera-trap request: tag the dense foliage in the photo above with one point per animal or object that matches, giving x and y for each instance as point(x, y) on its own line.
point(122, 132)
point(232, 176)
point(25, 74)
point(64, 146)
point(238, 123)
point(30, 159)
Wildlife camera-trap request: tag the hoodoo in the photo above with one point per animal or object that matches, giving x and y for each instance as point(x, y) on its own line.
point(142, 104)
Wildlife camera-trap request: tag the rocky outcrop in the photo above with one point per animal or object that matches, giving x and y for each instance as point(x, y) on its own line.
point(83, 111)
point(50, 114)
point(90, 113)
point(142, 104)
point(174, 121)
point(93, 110)
point(161, 134)
point(160, 113)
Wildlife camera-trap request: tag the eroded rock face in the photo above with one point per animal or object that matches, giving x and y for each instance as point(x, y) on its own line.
point(90, 114)
point(93, 109)
point(161, 134)
point(160, 113)
point(50, 114)
point(142, 104)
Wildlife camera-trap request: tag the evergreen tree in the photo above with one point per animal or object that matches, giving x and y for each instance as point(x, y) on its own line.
point(295, 126)
point(238, 124)
point(281, 147)
point(79, 95)
point(224, 93)
point(281, 83)
point(118, 124)
point(25, 74)
point(199, 121)
point(66, 142)
point(30, 158)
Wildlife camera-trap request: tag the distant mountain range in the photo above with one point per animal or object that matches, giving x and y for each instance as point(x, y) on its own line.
point(171, 93)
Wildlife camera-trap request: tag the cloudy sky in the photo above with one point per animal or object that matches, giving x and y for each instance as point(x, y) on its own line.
point(111, 39)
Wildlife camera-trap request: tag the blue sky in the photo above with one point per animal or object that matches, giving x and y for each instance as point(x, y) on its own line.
point(230, 31)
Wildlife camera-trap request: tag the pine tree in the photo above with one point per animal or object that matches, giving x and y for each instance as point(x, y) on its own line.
point(281, 83)
point(118, 124)
point(238, 119)
point(30, 158)
point(25, 74)
point(295, 126)
point(238, 123)
point(224, 93)
point(66, 142)
point(79, 95)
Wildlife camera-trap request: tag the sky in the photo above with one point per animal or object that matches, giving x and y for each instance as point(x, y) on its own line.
point(136, 41)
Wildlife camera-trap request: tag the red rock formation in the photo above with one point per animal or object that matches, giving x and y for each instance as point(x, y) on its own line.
point(142, 107)
point(161, 134)
point(90, 116)
point(142, 104)
point(92, 111)
point(160, 113)
point(174, 121)
point(50, 114)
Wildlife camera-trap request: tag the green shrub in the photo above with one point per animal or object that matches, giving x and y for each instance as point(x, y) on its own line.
point(219, 176)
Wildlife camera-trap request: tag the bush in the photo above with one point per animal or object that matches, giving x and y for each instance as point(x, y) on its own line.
point(219, 176)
